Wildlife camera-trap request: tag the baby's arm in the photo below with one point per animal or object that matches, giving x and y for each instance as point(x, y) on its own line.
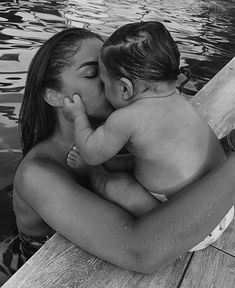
point(96, 146)
point(119, 163)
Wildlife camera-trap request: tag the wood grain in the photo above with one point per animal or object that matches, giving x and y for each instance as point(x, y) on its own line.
point(227, 241)
point(216, 100)
point(59, 263)
point(210, 268)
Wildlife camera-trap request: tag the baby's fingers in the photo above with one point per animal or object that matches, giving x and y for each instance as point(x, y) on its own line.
point(77, 99)
point(67, 101)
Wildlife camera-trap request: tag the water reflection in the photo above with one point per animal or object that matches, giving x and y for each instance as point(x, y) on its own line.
point(204, 30)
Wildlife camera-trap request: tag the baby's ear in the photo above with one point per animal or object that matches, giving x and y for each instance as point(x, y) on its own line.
point(127, 89)
point(53, 97)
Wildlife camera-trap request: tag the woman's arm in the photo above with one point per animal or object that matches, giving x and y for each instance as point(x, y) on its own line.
point(105, 230)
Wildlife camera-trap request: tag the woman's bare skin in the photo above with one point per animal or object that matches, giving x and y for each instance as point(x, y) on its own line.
point(49, 198)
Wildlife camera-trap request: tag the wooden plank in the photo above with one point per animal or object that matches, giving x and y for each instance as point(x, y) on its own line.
point(59, 263)
point(216, 100)
point(210, 268)
point(227, 241)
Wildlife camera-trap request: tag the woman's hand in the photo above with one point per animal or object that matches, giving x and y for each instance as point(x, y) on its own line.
point(72, 109)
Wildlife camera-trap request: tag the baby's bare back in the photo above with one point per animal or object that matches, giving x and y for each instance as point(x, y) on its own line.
point(172, 144)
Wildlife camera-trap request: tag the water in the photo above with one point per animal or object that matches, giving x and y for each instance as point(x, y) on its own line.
point(204, 31)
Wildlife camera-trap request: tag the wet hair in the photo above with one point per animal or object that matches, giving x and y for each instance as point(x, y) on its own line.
point(37, 119)
point(142, 51)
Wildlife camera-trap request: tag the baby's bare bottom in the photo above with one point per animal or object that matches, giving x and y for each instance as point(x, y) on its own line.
point(122, 189)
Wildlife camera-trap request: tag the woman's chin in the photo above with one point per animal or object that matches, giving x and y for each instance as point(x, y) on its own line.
point(102, 114)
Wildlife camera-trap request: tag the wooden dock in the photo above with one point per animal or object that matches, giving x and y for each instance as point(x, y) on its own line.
point(59, 263)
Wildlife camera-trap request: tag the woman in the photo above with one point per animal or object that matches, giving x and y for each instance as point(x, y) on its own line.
point(49, 198)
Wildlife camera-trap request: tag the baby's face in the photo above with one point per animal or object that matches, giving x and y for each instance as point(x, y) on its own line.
point(112, 89)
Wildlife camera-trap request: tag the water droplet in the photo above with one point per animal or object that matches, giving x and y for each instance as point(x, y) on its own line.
point(126, 227)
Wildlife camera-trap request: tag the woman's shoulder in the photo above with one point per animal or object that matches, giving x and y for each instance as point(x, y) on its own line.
point(39, 161)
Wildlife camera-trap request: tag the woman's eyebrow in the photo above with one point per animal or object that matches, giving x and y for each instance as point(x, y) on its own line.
point(88, 64)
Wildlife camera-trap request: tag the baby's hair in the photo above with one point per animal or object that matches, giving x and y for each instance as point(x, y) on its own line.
point(142, 51)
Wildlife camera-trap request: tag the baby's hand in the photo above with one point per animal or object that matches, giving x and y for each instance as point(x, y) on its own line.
point(72, 109)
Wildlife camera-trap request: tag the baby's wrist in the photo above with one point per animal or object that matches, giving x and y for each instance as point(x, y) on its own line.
point(78, 115)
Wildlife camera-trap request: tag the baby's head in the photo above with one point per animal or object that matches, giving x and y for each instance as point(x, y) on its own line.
point(142, 52)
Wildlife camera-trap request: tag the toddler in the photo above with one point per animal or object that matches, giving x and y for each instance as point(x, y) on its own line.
point(171, 144)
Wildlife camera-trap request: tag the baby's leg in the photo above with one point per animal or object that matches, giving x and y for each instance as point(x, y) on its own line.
point(120, 163)
point(122, 189)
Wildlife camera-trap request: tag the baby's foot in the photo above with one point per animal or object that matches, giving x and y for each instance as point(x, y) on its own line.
point(74, 161)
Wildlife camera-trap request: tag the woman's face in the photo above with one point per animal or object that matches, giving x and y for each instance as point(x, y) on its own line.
point(83, 78)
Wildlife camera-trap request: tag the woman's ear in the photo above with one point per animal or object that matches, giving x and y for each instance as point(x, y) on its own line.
point(127, 89)
point(53, 97)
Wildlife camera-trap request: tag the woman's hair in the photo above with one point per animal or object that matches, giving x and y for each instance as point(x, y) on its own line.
point(37, 118)
point(141, 51)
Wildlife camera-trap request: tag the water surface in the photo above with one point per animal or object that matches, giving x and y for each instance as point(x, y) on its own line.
point(204, 31)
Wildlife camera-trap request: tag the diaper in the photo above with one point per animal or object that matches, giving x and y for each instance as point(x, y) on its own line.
point(215, 234)
point(160, 197)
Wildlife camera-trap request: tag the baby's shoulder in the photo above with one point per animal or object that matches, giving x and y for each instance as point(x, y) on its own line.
point(123, 114)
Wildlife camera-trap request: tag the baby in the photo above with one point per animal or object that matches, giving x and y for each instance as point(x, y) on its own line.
point(171, 144)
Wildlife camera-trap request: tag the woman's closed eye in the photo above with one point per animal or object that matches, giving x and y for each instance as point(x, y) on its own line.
point(91, 72)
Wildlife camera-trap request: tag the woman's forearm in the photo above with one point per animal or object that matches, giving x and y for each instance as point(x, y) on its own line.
point(169, 231)
point(186, 219)
point(109, 232)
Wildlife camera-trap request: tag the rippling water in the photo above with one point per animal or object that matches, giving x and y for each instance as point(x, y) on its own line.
point(204, 31)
